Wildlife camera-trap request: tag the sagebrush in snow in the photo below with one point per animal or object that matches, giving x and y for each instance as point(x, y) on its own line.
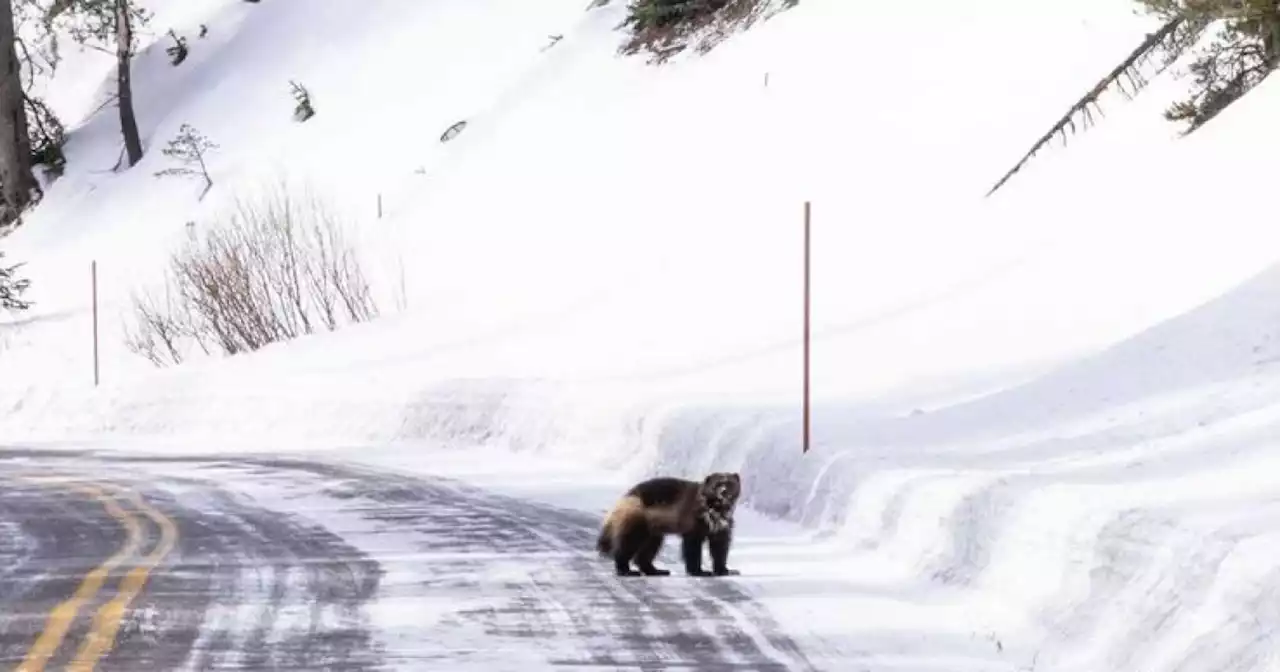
point(274, 269)
point(178, 50)
point(12, 287)
point(302, 109)
point(189, 149)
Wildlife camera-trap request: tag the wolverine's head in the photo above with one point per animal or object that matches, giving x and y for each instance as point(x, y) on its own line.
point(720, 490)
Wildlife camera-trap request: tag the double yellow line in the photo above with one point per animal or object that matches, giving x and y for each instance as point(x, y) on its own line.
point(106, 622)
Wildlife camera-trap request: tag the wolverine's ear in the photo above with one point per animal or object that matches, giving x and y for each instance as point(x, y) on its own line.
point(737, 478)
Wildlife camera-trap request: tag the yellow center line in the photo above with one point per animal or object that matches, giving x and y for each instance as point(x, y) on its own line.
point(63, 615)
point(106, 623)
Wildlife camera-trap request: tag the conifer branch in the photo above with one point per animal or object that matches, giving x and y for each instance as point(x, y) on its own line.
point(1173, 38)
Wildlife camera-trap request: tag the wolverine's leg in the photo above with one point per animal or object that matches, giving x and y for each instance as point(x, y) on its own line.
point(648, 552)
point(719, 546)
point(633, 535)
point(692, 551)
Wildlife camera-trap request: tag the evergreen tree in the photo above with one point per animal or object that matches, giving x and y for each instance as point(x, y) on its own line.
point(656, 14)
point(1236, 44)
point(108, 25)
point(668, 27)
point(1239, 52)
point(37, 50)
point(189, 148)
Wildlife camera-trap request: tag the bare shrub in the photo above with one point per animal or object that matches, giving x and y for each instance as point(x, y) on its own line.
point(12, 287)
point(276, 268)
point(161, 331)
point(178, 51)
point(303, 109)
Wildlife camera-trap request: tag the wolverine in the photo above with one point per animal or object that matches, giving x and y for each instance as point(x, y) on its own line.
point(650, 510)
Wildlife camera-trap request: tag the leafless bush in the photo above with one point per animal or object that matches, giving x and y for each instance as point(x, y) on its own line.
point(161, 328)
point(276, 268)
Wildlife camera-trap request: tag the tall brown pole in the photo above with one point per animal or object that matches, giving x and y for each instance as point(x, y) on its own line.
point(806, 326)
point(93, 271)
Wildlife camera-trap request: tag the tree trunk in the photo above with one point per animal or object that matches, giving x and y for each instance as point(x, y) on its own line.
point(124, 86)
point(1271, 41)
point(17, 185)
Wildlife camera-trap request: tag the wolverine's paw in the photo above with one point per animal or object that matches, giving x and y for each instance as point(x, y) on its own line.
point(653, 571)
point(627, 572)
point(725, 571)
point(698, 572)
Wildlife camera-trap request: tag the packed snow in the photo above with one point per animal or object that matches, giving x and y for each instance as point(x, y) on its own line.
point(1042, 421)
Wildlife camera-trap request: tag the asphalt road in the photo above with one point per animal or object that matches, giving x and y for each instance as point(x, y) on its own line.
point(145, 563)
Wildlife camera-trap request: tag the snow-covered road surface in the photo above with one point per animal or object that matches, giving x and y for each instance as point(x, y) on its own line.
point(272, 564)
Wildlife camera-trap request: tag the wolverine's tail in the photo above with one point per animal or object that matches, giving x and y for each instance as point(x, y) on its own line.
point(620, 515)
point(604, 545)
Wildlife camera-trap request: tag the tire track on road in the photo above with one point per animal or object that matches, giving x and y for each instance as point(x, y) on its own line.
point(674, 621)
point(106, 623)
point(64, 531)
point(163, 614)
point(282, 593)
point(64, 615)
point(259, 578)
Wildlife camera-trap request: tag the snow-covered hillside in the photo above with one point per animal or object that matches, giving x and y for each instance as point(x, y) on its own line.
point(1044, 416)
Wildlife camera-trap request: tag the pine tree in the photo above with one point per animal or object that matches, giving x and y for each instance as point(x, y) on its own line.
point(189, 148)
point(665, 28)
point(1242, 49)
point(650, 14)
point(108, 26)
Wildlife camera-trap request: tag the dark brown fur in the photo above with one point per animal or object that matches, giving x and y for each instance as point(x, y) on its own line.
point(697, 511)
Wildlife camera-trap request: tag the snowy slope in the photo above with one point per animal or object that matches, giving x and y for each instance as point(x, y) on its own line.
point(1043, 416)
